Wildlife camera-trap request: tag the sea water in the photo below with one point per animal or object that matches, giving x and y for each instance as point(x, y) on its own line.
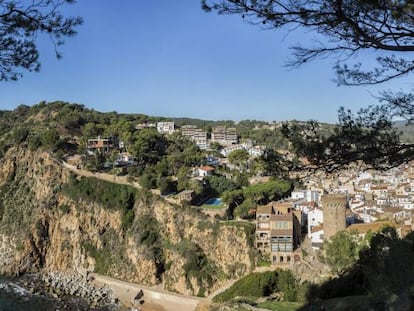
point(13, 297)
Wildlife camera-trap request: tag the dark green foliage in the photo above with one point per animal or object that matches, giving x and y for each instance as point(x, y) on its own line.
point(149, 146)
point(35, 142)
point(166, 185)
point(287, 284)
point(219, 184)
point(103, 258)
point(128, 216)
point(266, 192)
point(18, 202)
point(384, 271)
point(342, 251)
point(21, 23)
point(20, 134)
point(249, 197)
point(264, 284)
point(50, 139)
point(148, 179)
point(239, 158)
point(109, 195)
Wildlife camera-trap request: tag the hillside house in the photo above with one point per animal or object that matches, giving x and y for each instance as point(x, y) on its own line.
point(104, 145)
point(206, 170)
point(186, 195)
point(124, 159)
point(277, 232)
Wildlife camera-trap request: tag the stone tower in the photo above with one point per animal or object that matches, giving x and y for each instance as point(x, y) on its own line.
point(334, 219)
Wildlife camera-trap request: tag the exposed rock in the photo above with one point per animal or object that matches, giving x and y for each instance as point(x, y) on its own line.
point(42, 229)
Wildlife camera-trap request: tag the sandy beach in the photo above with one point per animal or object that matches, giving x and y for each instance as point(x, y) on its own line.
point(152, 300)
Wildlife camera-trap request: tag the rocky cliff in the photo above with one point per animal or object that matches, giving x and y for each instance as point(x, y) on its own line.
point(51, 220)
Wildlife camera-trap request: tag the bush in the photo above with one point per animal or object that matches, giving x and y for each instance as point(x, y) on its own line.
point(103, 258)
point(109, 195)
point(261, 285)
point(252, 285)
point(197, 265)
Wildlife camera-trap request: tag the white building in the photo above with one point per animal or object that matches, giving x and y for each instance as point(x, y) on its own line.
point(316, 237)
point(197, 135)
point(165, 127)
point(315, 218)
point(307, 195)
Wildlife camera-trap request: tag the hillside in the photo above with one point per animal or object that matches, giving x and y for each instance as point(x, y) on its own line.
point(48, 223)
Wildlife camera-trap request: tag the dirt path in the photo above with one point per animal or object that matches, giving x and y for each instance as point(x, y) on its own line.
point(121, 180)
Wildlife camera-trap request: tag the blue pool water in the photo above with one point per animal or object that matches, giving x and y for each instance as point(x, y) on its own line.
point(213, 201)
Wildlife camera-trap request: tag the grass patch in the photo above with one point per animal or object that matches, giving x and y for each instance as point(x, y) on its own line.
point(258, 285)
point(263, 262)
point(110, 195)
point(103, 258)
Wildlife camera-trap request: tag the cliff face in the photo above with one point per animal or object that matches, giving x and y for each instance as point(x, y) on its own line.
point(44, 228)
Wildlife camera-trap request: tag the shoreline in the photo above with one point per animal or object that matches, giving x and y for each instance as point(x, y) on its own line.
point(61, 290)
point(102, 292)
point(151, 300)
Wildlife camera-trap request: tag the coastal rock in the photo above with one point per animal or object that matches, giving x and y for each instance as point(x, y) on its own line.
point(44, 229)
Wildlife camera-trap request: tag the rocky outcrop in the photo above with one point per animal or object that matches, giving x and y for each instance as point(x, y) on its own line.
point(59, 285)
point(44, 229)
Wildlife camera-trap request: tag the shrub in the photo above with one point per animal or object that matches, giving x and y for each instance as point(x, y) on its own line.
point(262, 284)
point(252, 285)
point(109, 195)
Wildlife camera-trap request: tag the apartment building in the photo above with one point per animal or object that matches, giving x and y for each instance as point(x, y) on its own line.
point(197, 135)
point(224, 135)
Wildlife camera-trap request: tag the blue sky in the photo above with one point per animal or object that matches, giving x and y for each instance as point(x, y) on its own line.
point(169, 58)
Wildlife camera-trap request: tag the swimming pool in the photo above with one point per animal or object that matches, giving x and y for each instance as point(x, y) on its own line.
point(214, 202)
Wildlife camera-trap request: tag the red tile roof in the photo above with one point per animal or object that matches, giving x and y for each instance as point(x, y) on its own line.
point(207, 168)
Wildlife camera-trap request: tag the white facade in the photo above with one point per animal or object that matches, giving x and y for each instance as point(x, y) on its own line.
point(307, 195)
point(316, 237)
point(165, 127)
point(315, 218)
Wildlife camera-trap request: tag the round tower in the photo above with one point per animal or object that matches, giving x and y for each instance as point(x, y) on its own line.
point(334, 218)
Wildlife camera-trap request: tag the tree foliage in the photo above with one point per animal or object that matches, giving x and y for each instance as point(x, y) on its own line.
point(342, 251)
point(384, 270)
point(345, 29)
point(21, 22)
point(244, 199)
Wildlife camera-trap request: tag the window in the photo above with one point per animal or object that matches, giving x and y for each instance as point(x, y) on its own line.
point(281, 258)
point(280, 225)
point(288, 258)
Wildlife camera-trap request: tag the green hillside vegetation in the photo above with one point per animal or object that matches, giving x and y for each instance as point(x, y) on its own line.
point(379, 277)
point(241, 201)
point(109, 195)
point(264, 284)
